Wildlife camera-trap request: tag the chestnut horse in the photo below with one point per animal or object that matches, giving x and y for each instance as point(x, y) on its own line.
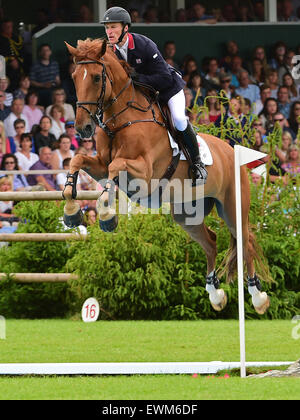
point(133, 139)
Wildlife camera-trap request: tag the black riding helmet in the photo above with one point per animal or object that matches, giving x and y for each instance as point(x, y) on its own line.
point(117, 14)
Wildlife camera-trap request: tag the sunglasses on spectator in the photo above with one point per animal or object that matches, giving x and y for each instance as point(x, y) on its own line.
point(257, 124)
point(87, 141)
point(225, 81)
point(279, 119)
point(70, 126)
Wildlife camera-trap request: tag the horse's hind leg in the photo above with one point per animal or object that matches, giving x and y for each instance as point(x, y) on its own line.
point(260, 299)
point(207, 239)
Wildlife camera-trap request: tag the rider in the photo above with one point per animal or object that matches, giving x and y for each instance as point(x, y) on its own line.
point(150, 68)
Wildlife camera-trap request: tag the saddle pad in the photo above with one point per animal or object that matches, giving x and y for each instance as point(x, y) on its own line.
point(205, 153)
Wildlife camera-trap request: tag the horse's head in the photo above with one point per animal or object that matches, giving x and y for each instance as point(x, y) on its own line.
point(93, 83)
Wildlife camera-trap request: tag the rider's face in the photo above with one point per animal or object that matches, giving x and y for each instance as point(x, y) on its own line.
point(113, 31)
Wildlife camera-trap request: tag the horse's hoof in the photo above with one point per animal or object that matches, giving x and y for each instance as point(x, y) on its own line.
point(109, 225)
point(264, 306)
point(223, 302)
point(73, 220)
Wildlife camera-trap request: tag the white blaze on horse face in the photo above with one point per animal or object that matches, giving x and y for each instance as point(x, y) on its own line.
point(85, 74)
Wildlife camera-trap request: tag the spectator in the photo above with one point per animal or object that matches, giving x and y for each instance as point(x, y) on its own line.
point(23, 89)
point(57, 117)
point(286, 12)
point(46, 180)
point(265, 93)
point(244, 13)
point(284, 104)
point(69, 87)
point(10, 163)
point(232, 120)
point(4, 84)
point(232, 50)
point(294, 118)
point(199, 16)
point(85, 14)
point(150, 15)
point(286, 142)
point(282, 123)
point(258, 126)
point(31, 110)
point(61, 178)
point(213, 73)
point(247, 90)
point(6, 207)
point(286, 66)
point(17, 108)
point(288, 82)
point(4, 142)
point(180, 16)
point(90, 216)
point(277, 59)
point(267, 114)
point(19, 126)
point(228, 13)
point(225, 80)
point(43, 137)
point(62, 152)
point(217, 14)
point(86, 181)
point(196, 87)
point(259, 53)
point(273, 81)
point(11, 47)
point(188, 99)
point(169, 54)
point(259, 11)
point(59, 98)
point(257, 75)
point(236, 68)
point(4, 110)
point(71, 131)
point(135, 16)
point(292, 163)
point(189, 67)
point(25, 156)
point(89, 146)
point(213, 104)
point(44, 74)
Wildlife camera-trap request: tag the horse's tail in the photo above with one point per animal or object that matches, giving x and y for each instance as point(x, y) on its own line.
point(228, 266)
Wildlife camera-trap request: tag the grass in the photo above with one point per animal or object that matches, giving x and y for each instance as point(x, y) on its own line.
point(41, 341)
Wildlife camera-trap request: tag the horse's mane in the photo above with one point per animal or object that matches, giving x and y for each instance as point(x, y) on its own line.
point(91, 47)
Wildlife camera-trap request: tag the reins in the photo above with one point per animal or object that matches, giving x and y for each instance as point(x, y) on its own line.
point(97, 117)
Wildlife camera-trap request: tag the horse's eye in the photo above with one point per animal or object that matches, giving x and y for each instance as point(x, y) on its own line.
point(97, 78)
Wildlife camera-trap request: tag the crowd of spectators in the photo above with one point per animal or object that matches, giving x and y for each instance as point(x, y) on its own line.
point(38, 101)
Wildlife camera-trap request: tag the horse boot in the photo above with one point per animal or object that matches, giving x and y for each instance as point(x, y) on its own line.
point(199, 173)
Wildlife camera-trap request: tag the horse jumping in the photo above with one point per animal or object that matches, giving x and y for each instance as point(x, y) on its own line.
point(133, 138)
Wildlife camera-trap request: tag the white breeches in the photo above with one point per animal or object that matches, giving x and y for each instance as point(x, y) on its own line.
point(177, 107)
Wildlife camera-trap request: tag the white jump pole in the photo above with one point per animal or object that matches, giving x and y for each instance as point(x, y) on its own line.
point(242, 155)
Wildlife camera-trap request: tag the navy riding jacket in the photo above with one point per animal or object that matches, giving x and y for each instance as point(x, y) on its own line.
point(144, 56)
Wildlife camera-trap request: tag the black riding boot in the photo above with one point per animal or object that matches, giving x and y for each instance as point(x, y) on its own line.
point(198, 169)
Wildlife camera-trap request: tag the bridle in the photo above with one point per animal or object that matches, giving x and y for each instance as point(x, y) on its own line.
point(97, 117)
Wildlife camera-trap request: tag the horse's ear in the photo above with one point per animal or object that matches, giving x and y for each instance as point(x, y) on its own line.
point(71, 49)
point(103, 48)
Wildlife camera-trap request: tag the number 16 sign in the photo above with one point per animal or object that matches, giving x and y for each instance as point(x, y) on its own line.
point(90, 310)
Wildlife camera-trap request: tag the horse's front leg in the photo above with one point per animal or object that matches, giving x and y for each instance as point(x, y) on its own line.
point(72, 212)
point(138, 168)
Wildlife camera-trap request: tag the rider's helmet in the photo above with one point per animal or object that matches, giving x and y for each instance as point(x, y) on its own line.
point(116, 14)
